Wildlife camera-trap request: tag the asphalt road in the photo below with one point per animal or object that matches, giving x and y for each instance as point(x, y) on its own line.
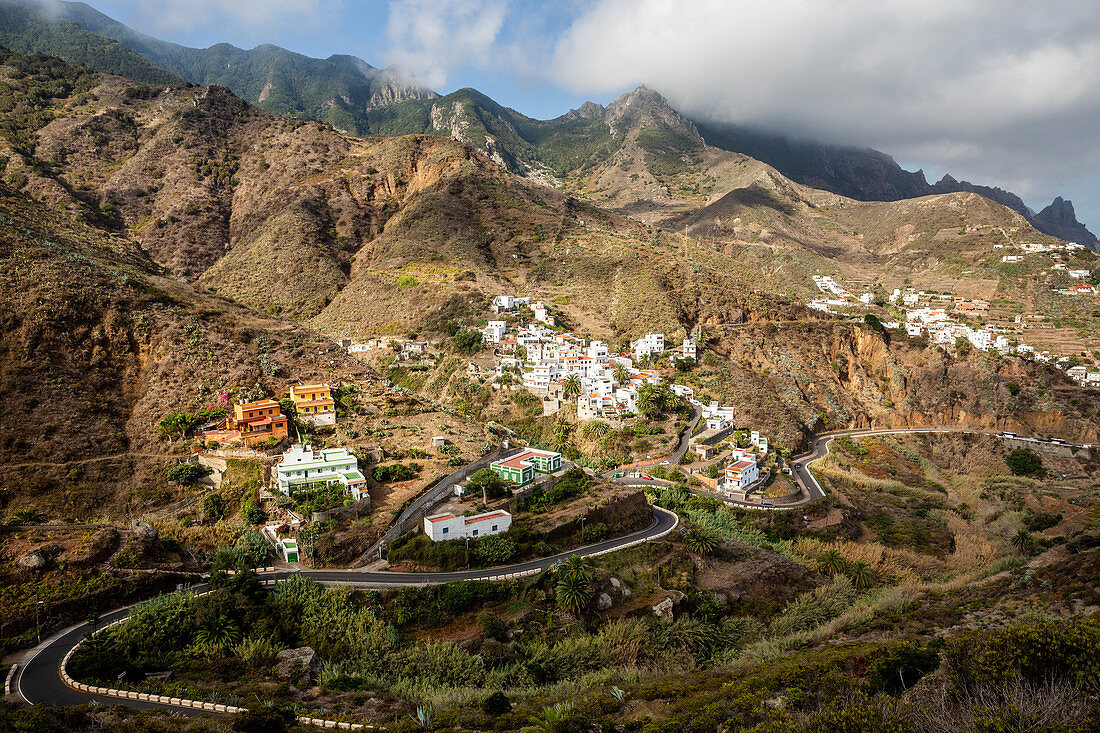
point(39, 682)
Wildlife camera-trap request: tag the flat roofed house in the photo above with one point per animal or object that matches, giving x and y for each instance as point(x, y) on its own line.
point(449, 526)
point(258, 421)
point(301, 467)
point(314, 403)
point(521, 468)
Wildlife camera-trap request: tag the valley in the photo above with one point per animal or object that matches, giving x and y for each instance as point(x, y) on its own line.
point(432, 416)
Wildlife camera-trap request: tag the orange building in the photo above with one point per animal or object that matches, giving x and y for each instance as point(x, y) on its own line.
point(251, 423)
point(314, 403)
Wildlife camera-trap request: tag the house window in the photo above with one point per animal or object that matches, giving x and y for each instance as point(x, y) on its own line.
point(446, 530)
point(475, 533)
point(494, 528)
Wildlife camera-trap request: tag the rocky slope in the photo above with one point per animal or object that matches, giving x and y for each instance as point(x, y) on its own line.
point(98, 343)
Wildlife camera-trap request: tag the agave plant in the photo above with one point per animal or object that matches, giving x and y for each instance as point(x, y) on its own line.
point(425, 716)
point(550, 718)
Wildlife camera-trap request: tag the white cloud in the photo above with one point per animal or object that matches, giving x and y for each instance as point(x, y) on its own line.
point(1005, 92)
point(429, 38)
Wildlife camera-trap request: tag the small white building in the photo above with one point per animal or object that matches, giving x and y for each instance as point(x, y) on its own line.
point(494, 332)
point(689, 349)
point(542, 314)
point(448, 526)
point(288, 549)
point(1078, 274)
point(741, 475)
point(866, 298)
point(1011, 258)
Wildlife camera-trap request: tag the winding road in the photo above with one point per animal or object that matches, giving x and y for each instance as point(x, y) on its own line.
point(38, 681)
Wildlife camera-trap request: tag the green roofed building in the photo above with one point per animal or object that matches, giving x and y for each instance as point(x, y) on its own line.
point(301, 467)
point(521, 468)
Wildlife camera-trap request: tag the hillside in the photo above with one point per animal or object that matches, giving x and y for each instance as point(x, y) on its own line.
point(338, 90)
point(99, 343)
point(26, 30)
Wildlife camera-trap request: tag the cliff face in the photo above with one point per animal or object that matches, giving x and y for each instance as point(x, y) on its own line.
point(796, 380)
point(1060, 220)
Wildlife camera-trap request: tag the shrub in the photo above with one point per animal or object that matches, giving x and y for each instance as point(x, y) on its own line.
point(187, 474)
point(1031, 651)
point(1023, 462)
point(467, 341)
point(901, 667)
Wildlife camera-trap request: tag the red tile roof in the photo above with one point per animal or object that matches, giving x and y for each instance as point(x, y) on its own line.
point(494, 515)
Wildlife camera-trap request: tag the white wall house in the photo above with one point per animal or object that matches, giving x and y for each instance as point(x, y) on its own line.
point(448, 526)
point(741, 475)
point(494, 331)
point(301, 466)
point(648, 345)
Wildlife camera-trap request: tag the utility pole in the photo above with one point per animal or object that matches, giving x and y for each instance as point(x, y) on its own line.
point(37, 626)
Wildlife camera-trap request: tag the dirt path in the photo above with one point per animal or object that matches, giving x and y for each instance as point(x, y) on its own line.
point(85, 461)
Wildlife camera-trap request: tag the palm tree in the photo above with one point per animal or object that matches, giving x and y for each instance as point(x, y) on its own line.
point(647, 399)
point(562, 429)
point(595, 429)
point(700, 542)
point(831, 562)
point(1023, 541)
point(220, 633)
point(863, 577)
point(576, 566)
point(621, 373)
point(572, 593)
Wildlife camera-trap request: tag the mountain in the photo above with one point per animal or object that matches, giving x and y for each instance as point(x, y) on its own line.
point(870, 175)
point(1060, 220)
point(28, 30)
point(337, 90)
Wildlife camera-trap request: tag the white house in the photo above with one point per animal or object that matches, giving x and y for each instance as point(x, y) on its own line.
point(651, 343)
point(448, 526)
point(1078, 274)
point(741, 475)
point(301, 467)
point(866, 298)
point(1011, 258)
point(689, 349)
point(542, 314)
point(910, 298)
point(494, 331)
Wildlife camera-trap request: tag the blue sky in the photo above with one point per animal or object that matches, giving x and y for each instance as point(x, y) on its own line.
point(998, 92)
point(322, 28)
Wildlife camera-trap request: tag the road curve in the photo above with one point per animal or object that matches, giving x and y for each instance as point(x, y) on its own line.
point(39, 681)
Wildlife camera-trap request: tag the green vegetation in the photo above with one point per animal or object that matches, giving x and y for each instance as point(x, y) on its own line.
point(187, 474)
point(28, 31)
point(1023, 462)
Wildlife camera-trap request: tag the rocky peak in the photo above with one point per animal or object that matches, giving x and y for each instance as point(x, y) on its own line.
point(645, 108)
point(1060, 220)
